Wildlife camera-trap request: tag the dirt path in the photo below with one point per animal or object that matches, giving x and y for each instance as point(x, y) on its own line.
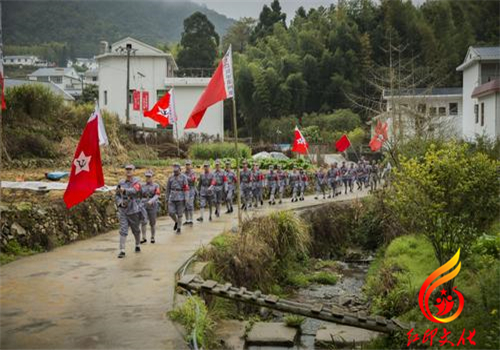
point(81, 296)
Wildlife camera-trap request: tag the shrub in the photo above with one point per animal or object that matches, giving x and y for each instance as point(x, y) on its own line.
point(264, 253)
point(218, 150)
point(449, 195)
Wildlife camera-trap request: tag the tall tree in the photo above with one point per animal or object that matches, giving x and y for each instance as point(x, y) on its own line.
point(199, 42)
point(268, 17)
point(238, 35)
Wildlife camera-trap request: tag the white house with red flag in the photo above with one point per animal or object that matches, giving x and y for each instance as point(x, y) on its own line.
point(152, 73)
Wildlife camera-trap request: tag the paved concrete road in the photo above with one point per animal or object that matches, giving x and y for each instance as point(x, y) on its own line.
point(81, 296)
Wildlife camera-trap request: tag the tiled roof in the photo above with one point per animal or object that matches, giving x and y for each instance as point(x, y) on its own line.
point(52, 87)
point(50, 72)
point(426, 92)
point(486, 89)
point(488, 52)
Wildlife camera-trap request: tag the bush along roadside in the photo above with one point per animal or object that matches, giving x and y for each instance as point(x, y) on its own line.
point(28, 227)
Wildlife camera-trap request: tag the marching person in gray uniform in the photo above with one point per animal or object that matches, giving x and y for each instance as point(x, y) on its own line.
point(344, 177)
point(177, 194)
point(303, 181)
point(332, 175)
point(230, 186)
point(257, 185)
point(351, 177)
point(374, 176)
point(245, 185)
point(282, 182)
point(150, 194)
point(220, 180)
point(294, 180)
point(206, 187)
point(129, 212)
point(191, 177)
point(321, 182)
point(271, 183)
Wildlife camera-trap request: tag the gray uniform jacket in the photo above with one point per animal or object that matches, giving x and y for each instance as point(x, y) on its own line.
point(220, 179)
point(271, 179)
point(246, 178)
point(150, 195)
point(282, 178)
point(231, 180)
point(206, 184)
point(294, 179)
point(177, 188)
point(191, 177)
point(129, 201)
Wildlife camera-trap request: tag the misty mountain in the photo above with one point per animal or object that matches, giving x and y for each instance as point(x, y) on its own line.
point(83, 24)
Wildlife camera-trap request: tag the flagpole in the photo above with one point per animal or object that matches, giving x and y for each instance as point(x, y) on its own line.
point(176, 125)
point(238, 192)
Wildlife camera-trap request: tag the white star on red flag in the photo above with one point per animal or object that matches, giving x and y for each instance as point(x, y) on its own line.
point(82, 163)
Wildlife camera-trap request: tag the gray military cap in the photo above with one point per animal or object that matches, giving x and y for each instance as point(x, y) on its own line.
point(206, 164)
point(130, 167)
point(149, 173)
point(188, 162)
point(217, 162)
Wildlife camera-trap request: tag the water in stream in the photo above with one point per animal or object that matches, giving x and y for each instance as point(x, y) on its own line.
point(346, 294)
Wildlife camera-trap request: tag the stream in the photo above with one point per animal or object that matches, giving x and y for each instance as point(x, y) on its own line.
point(346, 293)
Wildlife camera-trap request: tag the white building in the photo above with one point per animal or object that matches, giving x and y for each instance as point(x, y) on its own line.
point(467, 112)
point(24, 60)
point(151, 75)
point(91, 77)
point(433, 112)
point(65, 78)
point(481, 95)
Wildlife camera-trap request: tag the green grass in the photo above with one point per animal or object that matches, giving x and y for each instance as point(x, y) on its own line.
point(322, 264)
point(294, 320)
point(193, 315)
point(13, 251)
point(323, 277)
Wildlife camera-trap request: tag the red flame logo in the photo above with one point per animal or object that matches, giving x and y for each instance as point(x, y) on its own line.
point(445, 302)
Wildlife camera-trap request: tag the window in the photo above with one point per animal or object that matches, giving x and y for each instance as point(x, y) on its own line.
point(482, 114)
point(421, 108)
point(453, 108)
point(105, 97)
point(56, 80)
point(130, 96)
point(476, 112)
point(432, 111)
point(442, 111)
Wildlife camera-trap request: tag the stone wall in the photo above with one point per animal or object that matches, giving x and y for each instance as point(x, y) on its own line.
point(44, 225)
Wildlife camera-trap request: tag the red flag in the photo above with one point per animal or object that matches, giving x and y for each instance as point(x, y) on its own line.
point(380, 136)
point(300, 144)
point(86, 170)
point(164, 110)
point(343, 143)
point(219, 88)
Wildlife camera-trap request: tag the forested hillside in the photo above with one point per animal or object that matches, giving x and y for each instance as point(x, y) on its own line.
point(338, 57)
point(81, 24)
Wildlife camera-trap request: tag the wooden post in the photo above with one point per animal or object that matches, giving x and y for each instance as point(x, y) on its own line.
point(238, 186)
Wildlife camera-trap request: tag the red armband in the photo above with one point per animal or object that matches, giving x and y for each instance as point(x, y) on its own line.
point(137, 186)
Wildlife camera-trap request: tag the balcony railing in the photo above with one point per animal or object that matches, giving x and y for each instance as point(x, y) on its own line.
point(194, 72)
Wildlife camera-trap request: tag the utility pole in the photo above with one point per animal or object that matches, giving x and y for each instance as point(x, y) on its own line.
point(127, 50)
point(127, 113)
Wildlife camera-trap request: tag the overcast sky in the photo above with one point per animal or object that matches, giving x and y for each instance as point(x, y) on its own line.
point(251, 8)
